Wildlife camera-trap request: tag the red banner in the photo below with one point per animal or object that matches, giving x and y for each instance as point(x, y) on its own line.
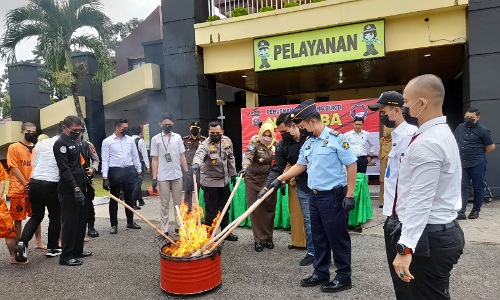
point(338, 115)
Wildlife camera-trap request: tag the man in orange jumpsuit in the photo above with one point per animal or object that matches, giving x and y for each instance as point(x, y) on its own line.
point(7, 230)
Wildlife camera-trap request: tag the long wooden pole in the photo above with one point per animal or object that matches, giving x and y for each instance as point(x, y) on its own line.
point(196, 200)
point(144, 219)
point(226, 207)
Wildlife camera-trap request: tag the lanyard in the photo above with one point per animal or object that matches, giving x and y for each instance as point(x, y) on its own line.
point(168, 144)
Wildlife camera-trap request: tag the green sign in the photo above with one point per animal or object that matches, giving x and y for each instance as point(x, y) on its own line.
point(329, 45)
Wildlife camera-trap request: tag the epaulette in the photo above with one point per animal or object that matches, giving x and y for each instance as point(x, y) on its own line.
point(334, 132)
point(185, 137)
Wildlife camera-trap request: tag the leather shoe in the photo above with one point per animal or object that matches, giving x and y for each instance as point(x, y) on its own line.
point(259, 247)
point(269, 245)
point(474, 214)
point(461, 216)
point(136, 207)
point(141, 202)
point(133, 225)
point(84, 254)
point(232, 237)
point(92, 232)
point(335, 286)
point(113, 230)
point(70, 262)
point(313, 280)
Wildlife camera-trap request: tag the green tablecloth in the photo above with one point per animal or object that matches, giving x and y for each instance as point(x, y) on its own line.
point(363, 209)
point(239, 206)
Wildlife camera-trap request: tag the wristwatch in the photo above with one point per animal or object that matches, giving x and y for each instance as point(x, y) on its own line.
point(402, 249)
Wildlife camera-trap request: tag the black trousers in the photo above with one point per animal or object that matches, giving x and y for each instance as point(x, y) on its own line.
point(362, 164)
point(330, 236)
point(121, 179)
point(401, 288)
point(137, 193)
point(215, 200)
point(90, 207)
point(43, 194)
point(74, 219)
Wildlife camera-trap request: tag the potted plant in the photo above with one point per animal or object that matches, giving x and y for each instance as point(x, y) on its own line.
point(291, 4)
point(239, 11)
point(266, 8)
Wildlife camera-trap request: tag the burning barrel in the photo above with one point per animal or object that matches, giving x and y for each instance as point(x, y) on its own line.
point(190, 275)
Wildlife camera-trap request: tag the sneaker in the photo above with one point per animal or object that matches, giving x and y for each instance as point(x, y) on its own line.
point(306, 261)
point(53, 252)
point(21, 252)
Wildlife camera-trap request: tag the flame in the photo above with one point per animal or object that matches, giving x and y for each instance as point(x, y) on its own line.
point(193, 234)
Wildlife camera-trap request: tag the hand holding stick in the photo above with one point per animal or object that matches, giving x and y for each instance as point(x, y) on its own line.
point(226, 207)
point(144, 219)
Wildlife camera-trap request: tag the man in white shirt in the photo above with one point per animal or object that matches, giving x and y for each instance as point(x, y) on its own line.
point(389, 105)
point(428, 194)
point(136, 132)
point(168, 167)
point(120, 168)
point(361, 144)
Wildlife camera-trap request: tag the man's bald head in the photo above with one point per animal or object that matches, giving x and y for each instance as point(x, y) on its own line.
point(427, 86)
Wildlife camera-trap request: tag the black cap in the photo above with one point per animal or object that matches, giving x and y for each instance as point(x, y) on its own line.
point(263, 44)
point(195, 124)
point(391, 98)
point(369, 28)
point(302, 111)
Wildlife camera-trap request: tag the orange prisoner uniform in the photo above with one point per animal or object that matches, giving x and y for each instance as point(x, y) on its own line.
point(19, 156)
point(6, 224)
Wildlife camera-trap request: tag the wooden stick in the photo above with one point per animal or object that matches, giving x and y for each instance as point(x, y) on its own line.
point(144, 219)
point(226, 207)
point(196, 199)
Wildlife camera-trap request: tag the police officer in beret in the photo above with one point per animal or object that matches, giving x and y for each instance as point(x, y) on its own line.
point(191, 144)
point(324, 156)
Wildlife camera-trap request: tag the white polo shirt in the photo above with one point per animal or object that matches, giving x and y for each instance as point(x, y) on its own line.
point(161, 144)
point(44, 162)
point(401, 137)
point(429, 181)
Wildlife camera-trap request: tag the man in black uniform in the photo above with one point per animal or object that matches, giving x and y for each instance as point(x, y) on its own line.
point(191, 143)
point(71, 190)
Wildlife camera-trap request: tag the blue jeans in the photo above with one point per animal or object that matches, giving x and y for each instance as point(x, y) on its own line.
point(476, 174)
point(303, 193)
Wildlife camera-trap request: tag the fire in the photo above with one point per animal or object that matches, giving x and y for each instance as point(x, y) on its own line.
point(193, 234)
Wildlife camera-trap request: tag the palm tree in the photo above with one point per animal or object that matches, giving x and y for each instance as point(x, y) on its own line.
point(54, 23)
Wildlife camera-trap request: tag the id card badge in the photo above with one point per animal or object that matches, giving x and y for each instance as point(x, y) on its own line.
point(168, 158)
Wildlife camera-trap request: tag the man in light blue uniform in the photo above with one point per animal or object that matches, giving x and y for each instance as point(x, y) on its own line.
point(327, 157)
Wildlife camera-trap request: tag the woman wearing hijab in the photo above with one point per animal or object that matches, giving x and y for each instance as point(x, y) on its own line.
point(259, 158)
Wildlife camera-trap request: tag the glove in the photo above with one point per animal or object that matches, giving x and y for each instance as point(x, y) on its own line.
point(283, 190)
point(262, 193)
point(80, 198)
point(276, 184)
point(155, 184)
point(348, 203)
point(105, 184)
point(243, 172)
point(195, 168)
point(233, 180)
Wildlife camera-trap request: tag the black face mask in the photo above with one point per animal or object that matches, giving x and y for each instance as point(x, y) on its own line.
point(195, 132)
point(304, 132)
point(384, 120)
point(30, 137)
point(469, 122)
point(75, 135)
point(409, 119)
point(125, 131)
point(287, 136)
point(167, 128)
point(215, 138)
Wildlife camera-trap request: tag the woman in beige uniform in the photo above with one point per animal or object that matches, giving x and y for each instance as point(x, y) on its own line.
point(259, 158)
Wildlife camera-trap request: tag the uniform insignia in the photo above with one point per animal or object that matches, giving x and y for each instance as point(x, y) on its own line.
point(305, 158)
point(214, 161)
point(334, 132)
point(325, 143)
point(226, 145)
point(261, 160)
point(345, 145)
point(308, 146)
point(251, 147)
point(72, 147)
point(62, 149)
point(212, 147)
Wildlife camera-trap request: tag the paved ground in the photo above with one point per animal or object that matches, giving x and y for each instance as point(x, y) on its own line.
point(126, 266)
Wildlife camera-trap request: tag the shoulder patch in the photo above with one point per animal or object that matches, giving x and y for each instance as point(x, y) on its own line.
point(63, 149)
point(345, 145)
point(334, 132)
point(251, 147)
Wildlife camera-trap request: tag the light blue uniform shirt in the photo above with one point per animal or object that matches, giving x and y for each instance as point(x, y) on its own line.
point(326, 157)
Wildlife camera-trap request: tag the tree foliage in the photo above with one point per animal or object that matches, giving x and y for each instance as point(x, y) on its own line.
point(119, 31)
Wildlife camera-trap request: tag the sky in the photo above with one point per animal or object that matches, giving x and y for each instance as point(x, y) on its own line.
point(116, 10)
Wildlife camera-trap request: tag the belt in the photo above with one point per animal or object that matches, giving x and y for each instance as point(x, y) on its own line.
point(116, 168)
point(32, 180)
point(335, 190)
point(440, 227)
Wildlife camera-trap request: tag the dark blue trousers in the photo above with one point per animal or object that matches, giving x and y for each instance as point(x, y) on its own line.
point(329, 233)
point(476, 174)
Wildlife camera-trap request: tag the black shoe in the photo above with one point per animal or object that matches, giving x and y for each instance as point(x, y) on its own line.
point(306, 261)
point(380, 206)
point(269, 245)
point(461, 216)
point(355, 228)
point(474, 214)
point(232, 237)
point(133, 225)
point(335, 286)
point(259, 247)
point(313, 280)
point(141, 202)
point(92, 232)
point(136, 207)
point(53, 252)
point(177, 230)
point(290, 247)
point(21, 252)
point(84, 254)
point(113, 230)
point(70, 262)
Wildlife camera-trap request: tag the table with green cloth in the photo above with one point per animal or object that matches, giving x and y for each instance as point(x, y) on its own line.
point(363, 210)
point(239, 206)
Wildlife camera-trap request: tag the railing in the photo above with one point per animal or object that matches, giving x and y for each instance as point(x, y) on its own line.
point(224, 8)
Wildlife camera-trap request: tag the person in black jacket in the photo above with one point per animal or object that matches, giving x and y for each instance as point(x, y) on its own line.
point(71, 192)
point(287, 152)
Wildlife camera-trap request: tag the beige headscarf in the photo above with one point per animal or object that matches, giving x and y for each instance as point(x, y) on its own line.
point(265, 127)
